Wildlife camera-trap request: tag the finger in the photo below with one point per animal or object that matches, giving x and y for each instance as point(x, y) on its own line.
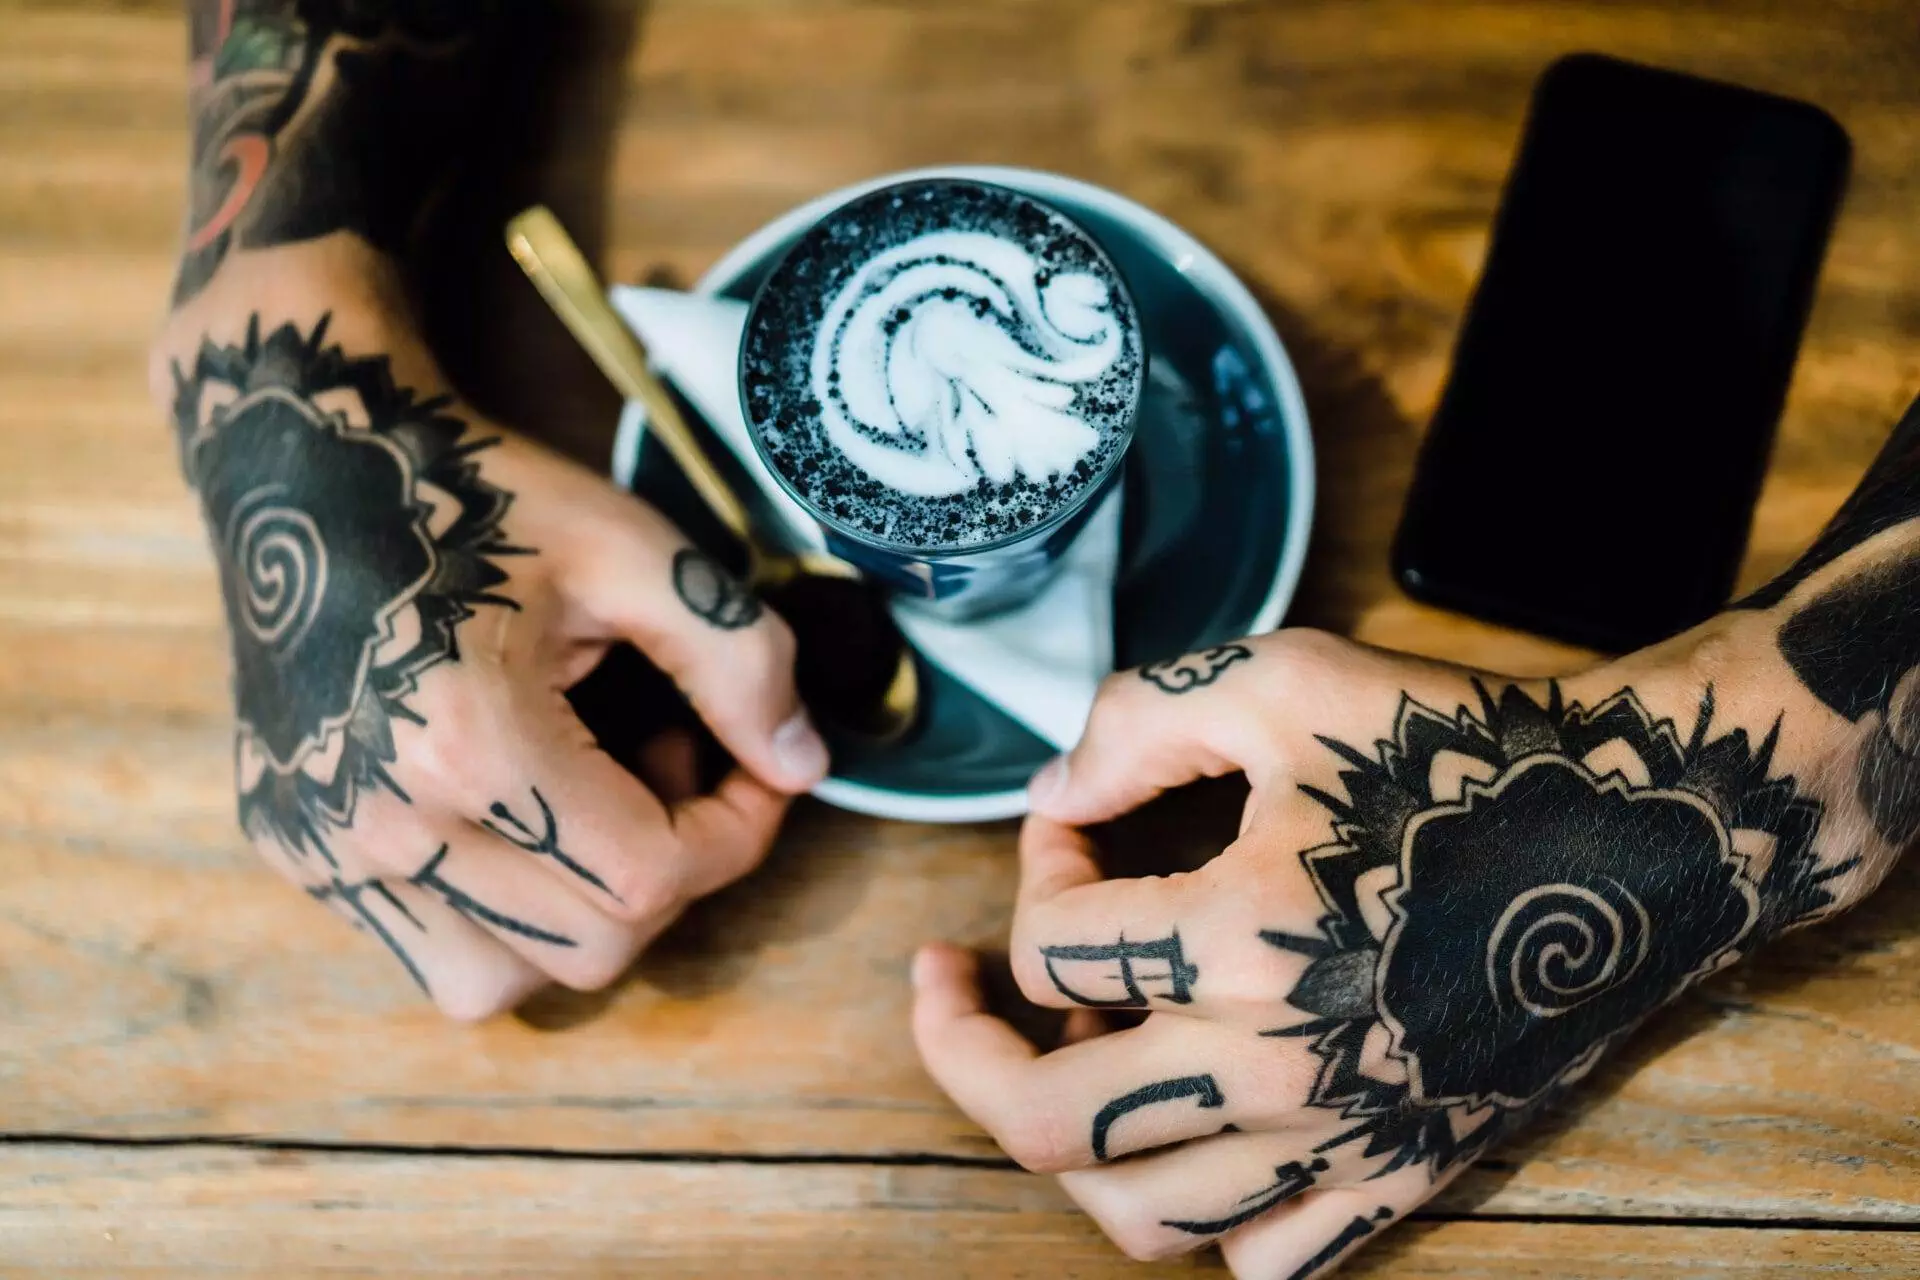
point(729, 832)
point(1149, 732)
point(489, 883)
point(515, 759)
point(468, 974)
point(1313, 1237)
point(729, 654)
point(1083, 1024)
point(669, 763)
point(592, 825)
point(1164, 1081)
point(1184, 943)
point(1174, 1201)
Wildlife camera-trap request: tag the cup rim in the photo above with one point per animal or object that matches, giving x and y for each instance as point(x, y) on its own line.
point(1188, 256)
point(1089, 493)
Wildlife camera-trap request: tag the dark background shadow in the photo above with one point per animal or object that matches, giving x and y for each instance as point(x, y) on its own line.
point(548, 120)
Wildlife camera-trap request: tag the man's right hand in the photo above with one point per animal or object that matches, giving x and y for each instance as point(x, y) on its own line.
point(409, 594)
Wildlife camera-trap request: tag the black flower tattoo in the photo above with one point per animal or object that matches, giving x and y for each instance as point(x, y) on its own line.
point(704, 586)
point(354, 534)
point(1545, 878)
point(1194, 670)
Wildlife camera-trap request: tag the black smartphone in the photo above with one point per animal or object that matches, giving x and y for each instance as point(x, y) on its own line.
point(1591, 470)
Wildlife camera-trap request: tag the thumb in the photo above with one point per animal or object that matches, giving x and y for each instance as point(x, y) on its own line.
point(729, 654)
point(1141, 740)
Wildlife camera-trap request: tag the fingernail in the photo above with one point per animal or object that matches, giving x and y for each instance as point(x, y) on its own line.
point(1049, 783)
point(800, 751)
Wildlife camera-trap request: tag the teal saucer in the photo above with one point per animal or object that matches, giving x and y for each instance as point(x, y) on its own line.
point(1218, 495)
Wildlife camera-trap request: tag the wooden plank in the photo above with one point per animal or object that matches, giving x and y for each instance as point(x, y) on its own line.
point(161, 984)
point(79, 1212)
point(1345, 154)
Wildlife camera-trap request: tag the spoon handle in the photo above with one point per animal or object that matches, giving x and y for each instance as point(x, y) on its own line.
point(561, 272)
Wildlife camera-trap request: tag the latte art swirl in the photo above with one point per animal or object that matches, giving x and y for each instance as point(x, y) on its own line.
point(280, 566)
point(954, 358)
point(1560, 945)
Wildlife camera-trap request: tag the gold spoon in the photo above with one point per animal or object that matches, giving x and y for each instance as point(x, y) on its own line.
point(561, 272)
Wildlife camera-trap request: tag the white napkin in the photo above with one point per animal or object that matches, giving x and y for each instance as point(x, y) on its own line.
point(1040, 663)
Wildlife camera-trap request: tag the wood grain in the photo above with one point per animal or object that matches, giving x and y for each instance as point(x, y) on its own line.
point(1346, 155)
point(79, 1212)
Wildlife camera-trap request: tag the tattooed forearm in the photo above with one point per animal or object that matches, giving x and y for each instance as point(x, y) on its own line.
point(430, 879)
point(314, 116)
point(704, 586)
point(1350, 1235)
point(1568, 873)
point(1072, 968)
point(1194, 670)
point(1856, 644)
point(354, 897)
point(1289, 1180)
point(544, 843)
point(354, 535)
point(1203, 1089)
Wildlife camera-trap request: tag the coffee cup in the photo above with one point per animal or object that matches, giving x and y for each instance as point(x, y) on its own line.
point(945, 375)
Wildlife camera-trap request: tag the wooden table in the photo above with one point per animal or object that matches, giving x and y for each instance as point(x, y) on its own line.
point(201, 1074)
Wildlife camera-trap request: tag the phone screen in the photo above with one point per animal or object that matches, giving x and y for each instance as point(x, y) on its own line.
point(1592, 467)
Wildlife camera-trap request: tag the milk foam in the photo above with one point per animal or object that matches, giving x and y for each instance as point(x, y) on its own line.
point(925, 384)
point(942, 364)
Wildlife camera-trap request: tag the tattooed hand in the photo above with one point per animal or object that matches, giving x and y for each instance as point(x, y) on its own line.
point(409, 594)
point(1451, 895)
point(410, 591)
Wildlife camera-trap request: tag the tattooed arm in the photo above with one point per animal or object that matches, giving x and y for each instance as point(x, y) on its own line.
point(410, 589)
point(1452, 895)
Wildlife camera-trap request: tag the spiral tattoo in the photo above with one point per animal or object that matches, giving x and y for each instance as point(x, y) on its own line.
point(280, 561)
point(1559, 945)
point(1568, 872)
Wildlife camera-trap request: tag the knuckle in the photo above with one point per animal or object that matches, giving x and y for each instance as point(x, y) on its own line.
point(447, 760)
point(1303, 648)
point(1040, 1142)
point(1143, 1239)
point(641, 894)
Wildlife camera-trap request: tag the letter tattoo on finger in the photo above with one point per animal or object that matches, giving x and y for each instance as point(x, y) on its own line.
point(544, 843)
point(354, 896)
point(1194, 670)
point(1203, 1089)
point(1289, 1180)
point(428, 877)
point(1350, 1235)
point(1111, 963)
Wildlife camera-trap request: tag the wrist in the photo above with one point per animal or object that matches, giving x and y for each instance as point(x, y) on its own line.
point(339, 276)
point(1731, 669)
